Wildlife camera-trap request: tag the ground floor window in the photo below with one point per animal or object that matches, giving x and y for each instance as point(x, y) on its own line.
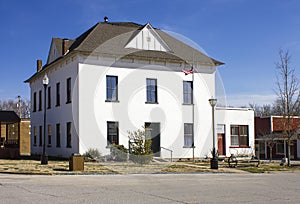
point(57, 135)
point(69, 135)
point(40, 135)
point(279, 148)
point(112, 133)
point(188, 135)
point(34, 136)
point(239, 135)
point(49, 135)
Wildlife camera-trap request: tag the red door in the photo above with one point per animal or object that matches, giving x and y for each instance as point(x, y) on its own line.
point(221, 144)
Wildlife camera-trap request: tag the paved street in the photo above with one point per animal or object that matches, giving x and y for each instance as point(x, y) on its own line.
point(152, 188)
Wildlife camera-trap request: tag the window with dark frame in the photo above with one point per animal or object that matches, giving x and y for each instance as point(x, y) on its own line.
point(112, 133)
point(111, 88)
point(69, 135)
point(57, 135)
point(40, 100)
point(280, 148)
point(34, 136)
point(188, 135)
point(58, 94)
point(40, 135)
point(151, 90)
point(239, 135)
point(49, 135)
point(69, 94)
point(187, 92)
point(49, 97)
point(34, 102)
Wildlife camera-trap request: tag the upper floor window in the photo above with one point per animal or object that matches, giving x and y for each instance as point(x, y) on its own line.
point(49, 97)
point(69, 95)
point(187, 92)
point(34, 102)
point(239, 135)
point(111, 88)
point(58, 94)
point(151, 90)
point(40, 100)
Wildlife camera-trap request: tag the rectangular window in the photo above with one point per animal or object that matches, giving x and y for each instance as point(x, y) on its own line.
point(69, 135)
point(188, 135)
point(49, 97)
point(40, 100)
point(34, 102)
point(49, 135)
point(112, 133)
point(34, 136)
point(111, 88)
point(187, 92)
point(57, 94)
point(239, 135)
point(69, 95)
point(40, 135)
point(57, 135)
point(279, 148)
point(151, 90)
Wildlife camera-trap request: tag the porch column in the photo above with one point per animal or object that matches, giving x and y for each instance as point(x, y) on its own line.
point(266, 150)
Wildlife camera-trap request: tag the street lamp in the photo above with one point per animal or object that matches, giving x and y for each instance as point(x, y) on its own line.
point(214, 161)
point(44, 159)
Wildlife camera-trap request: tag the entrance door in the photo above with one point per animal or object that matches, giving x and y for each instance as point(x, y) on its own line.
point(221, 144)
point(153, 132)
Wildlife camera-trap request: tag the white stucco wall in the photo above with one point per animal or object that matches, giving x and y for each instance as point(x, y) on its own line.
point(61, 114)
point(132, 112)
point(236, 116)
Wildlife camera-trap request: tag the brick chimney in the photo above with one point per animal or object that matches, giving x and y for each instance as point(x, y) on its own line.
point(64, 46)
point(39, 65)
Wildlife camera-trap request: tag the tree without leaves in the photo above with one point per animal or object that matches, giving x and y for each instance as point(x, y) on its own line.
point(13, 105)
point(287, 91)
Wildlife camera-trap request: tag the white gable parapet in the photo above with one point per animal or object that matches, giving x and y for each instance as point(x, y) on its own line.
point(148, 39)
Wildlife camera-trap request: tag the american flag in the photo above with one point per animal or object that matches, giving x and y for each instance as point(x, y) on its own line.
point(186, 72)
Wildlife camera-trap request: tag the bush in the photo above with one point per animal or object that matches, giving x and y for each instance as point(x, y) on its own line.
point(92, 153)
point(141, 147)
point(119, 152)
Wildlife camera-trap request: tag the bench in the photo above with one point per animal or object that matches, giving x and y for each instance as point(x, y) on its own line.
point(234, 160)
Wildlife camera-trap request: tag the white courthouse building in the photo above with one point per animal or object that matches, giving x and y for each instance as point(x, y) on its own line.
point(120, 76)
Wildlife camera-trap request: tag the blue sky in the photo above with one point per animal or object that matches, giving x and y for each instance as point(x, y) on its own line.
point(245, 34)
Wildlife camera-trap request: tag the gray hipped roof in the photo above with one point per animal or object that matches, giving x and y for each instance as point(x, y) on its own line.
point(110, 38)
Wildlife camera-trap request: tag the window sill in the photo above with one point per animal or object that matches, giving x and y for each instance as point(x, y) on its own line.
point(69, 146)
point(57, 105)
point(49, 145)
point(112, 101)
point(49, 108)
point(239, 147)
point(189, 147)
point(187, 104)
point(151, 102)
point(68, 102)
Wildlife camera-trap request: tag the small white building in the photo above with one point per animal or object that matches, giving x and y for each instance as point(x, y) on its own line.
point(119, 77)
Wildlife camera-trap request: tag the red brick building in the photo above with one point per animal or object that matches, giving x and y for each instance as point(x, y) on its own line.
point(269, 133)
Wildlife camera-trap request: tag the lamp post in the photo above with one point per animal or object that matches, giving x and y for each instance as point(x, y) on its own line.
point(44, 158)
point(214, 160)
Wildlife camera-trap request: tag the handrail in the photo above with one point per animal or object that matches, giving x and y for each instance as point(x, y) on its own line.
point(171, 151)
